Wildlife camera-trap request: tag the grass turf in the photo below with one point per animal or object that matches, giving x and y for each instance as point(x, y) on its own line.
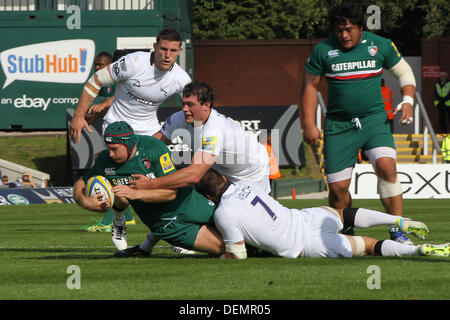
point(39, 242)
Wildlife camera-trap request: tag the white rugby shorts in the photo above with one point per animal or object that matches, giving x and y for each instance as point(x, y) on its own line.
point(321, 227)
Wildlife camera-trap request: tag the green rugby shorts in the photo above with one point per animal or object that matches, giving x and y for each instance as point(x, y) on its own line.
point(343, 138)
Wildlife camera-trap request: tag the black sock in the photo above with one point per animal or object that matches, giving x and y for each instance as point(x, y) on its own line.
point(349, 216)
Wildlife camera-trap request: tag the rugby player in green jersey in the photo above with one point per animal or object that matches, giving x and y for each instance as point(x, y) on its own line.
point(182, 217)
point(352, 61)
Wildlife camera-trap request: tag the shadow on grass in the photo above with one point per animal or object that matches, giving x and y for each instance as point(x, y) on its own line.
point(111, 256)
point(73, 253)
point(418, 259)
point(73, 257)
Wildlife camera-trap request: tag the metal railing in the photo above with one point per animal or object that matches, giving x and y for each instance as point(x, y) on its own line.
point(420, 113)
point(321, 110)
point(62, 5)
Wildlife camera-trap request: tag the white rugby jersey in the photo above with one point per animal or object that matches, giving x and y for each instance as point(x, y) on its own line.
point(246, 213)
point(240, 157)
point(141, 88)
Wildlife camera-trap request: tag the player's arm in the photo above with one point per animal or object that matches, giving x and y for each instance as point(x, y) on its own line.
point(159, 135)
point(307, 111)
point(154, 195)
point(190, 175)
point(232, 235)
point(175, 121)
point(405, 76)
point(90, 91)
point(98, 111)
point(90, 203)
point(235, 250)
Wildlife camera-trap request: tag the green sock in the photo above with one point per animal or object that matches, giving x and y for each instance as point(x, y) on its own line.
point(109, 216)
point(128, 214)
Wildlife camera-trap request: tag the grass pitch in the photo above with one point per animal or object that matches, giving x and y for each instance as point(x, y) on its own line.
point(40, 242)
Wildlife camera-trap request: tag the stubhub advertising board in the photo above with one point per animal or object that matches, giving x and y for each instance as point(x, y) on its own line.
point(47, 51)
point(37, 82)
point(64, 61)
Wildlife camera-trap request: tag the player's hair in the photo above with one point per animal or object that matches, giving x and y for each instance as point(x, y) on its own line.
point(201, 90)
point(105, 54)
point(169, 34)
point(118, 54)
point(212, 185)
point(350, 11)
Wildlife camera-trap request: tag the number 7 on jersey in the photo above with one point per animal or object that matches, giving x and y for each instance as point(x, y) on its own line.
point(257, 200)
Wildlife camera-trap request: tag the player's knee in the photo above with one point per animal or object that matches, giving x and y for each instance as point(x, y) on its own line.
point(388, 189)
point(338, 189)
point(209, 240)
point(359, 245)
point(339, 196)
point(120, 203)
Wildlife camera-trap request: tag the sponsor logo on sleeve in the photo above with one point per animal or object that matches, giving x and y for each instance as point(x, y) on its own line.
point(166, 163)
point(395, 48)
point(209, 144)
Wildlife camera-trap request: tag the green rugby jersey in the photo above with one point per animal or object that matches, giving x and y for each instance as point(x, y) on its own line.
point(152, 159)
point(105, 93)
point(353, 76)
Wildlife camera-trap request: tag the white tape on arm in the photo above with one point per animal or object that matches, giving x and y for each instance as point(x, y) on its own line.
point(403, 72)
point(237, 250)
point(91, 87)
point(406, 99)
point(104, 77)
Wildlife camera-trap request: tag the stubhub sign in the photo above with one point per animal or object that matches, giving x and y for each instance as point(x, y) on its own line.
point(64, 61)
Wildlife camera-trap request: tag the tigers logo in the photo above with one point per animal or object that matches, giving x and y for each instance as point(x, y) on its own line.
point(372, 50)
point(146, 163)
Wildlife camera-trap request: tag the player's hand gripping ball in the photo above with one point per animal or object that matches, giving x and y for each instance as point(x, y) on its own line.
point(99, 184)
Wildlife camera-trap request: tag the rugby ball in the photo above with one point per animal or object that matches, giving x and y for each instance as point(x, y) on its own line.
point(99, 184)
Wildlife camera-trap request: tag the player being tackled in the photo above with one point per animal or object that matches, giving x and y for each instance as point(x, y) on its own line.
point(247, 215)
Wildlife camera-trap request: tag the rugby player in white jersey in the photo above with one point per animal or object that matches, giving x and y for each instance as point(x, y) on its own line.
point(217, 141)
point(144, 81)
point(246, 214)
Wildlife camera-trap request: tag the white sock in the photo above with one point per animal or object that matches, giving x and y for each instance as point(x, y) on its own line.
point(366, 218)
point(119, 217)
point(149, 242)
point(391, 248)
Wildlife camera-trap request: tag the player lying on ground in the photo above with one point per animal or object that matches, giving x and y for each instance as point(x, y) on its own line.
point(246, 214)
point(182, 217)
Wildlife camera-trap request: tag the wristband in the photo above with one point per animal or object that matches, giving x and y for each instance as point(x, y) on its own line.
point(406, 99)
